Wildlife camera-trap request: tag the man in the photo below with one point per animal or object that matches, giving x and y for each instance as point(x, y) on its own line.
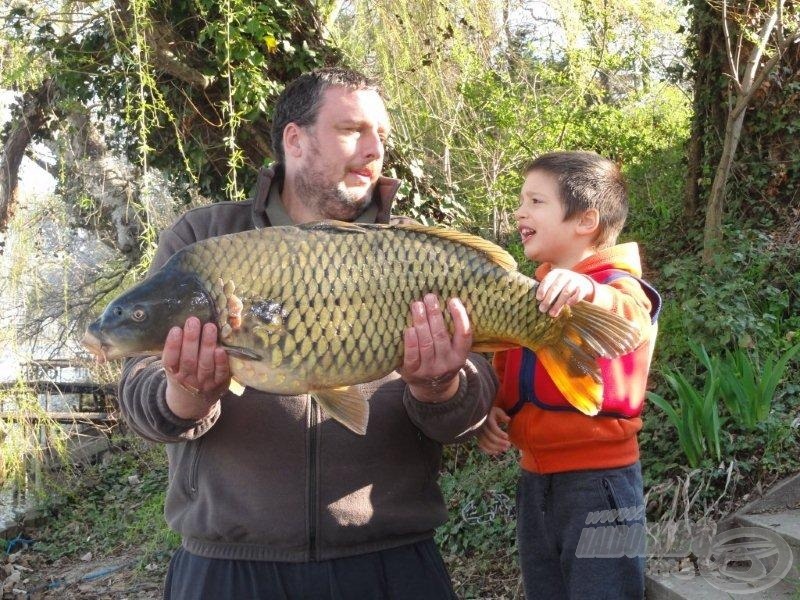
point(274, 499)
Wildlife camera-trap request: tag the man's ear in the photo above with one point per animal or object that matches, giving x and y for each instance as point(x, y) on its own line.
point(588, 222)
point(292, 138)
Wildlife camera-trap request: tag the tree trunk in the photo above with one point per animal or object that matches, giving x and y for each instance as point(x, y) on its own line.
point(712, 235)
point(35, 109)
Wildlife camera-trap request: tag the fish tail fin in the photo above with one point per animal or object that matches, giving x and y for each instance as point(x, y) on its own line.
point(588, 332)
point(346, 405)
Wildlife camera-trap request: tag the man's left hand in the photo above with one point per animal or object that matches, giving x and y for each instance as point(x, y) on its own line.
point(432, 359)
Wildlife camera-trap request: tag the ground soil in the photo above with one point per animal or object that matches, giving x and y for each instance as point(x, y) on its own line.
point(28, 574)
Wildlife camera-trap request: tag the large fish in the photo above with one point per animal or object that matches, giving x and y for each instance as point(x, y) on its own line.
point(321, 307)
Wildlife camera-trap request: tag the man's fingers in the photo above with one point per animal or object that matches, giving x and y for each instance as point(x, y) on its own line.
point(171, 355)
point(423, 330)
point(191, 346)
point(411, 359)
point(438, 330)
point(205, 360)
point(222, 370)
point(462, 331)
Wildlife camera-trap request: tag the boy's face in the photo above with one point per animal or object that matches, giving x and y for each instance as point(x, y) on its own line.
point(546, 236)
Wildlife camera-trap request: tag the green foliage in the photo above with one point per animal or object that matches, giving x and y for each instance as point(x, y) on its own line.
point(742, 384)
point(183, 86)
point(750, 295)
point(29, 439)
point(480, 492)
point(749, 386)
point(478, 540)
point(696, 419)
point(118, 504)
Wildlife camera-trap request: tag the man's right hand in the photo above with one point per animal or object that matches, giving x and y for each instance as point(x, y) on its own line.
point(197, 369)
point(491, 438)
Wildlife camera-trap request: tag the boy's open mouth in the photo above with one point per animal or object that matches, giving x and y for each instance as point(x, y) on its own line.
point(526, 233)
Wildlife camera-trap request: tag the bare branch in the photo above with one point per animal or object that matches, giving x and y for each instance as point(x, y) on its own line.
point(744, 99)
point(734, 64)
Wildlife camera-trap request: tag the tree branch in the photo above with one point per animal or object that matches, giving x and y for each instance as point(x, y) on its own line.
point(33, 118)
point(162, 41)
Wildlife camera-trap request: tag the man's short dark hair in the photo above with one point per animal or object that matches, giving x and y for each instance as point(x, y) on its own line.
point(300, 101)
point(587, 180)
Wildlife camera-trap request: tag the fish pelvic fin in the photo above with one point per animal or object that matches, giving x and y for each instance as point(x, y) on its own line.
point(346, 405)
point(588, 333)
point(235, 387)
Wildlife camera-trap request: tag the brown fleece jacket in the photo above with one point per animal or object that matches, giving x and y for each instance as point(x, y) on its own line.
point(269, 477)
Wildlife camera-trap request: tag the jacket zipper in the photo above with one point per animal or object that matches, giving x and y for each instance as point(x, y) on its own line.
point(193, 466)
point(312, 478)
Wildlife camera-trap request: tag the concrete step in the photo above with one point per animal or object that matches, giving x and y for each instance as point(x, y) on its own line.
point(694, 587)
point(759, 546)
point(786, 523)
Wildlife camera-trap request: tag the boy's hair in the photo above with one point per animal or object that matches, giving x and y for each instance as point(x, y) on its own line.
point(300, 100)
point(587, 180)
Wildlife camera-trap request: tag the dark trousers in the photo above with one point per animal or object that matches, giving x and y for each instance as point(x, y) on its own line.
point(581, 534)
point(412, 572)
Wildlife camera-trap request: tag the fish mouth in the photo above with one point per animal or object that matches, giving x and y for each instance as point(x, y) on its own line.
point(95, 347)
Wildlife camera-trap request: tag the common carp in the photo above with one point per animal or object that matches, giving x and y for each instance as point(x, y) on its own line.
point(321, 307)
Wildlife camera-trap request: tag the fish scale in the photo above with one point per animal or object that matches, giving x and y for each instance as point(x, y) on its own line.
point(322, 307)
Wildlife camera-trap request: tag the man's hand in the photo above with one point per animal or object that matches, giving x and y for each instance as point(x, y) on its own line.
point(197, 369)
point(432, 359)
point(560, 288)
point(491, 438)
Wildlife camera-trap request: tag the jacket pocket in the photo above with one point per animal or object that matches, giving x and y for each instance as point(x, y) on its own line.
point(193, 460)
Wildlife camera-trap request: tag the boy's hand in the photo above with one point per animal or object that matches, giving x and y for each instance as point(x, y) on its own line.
point(491, 438)
point(562, 287)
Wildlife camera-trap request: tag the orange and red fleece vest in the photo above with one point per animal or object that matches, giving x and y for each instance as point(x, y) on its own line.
point(551, 434)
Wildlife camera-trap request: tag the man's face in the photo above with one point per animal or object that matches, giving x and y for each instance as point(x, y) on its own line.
point(342, 153)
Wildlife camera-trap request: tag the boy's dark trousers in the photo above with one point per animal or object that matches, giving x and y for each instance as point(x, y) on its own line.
point(560, 556)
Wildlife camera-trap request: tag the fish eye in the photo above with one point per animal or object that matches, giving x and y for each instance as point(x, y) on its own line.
point(138, 314)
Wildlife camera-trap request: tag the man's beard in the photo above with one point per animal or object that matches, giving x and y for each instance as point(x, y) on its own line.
point(331, 200)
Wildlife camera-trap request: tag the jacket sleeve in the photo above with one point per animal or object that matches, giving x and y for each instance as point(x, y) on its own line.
point(457, 419)
point(625, 297)
point(143, 384)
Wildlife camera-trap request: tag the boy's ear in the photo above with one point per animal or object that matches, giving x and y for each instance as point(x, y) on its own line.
point(588, 222)
point(292, 135)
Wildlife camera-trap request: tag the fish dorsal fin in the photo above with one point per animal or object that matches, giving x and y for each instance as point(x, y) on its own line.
point(333, 226)
point(492, 251)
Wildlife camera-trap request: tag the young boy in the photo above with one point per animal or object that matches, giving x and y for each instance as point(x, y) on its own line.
point(578, 471)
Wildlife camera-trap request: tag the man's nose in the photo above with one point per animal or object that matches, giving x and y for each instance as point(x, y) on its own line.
point(372, 146)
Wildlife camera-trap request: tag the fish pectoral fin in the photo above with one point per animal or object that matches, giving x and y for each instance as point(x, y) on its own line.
point(347, 405)
point(235, 387)
point(243, 353)
point(576, 377)
point(492, 346)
